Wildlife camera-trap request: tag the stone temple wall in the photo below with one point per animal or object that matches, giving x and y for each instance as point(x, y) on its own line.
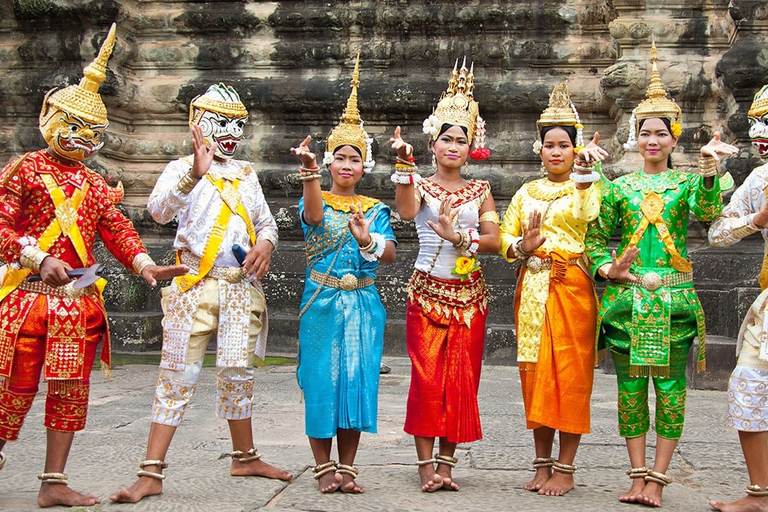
point(291, 62)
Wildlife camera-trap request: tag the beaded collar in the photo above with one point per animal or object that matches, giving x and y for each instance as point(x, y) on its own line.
point(344, 203)
point(647, 183)
point(546, 190)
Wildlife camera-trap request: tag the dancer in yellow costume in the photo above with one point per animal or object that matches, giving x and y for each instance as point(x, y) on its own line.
point(746, 214)
point(650, 312)
point(555, 303)
point(218, 202)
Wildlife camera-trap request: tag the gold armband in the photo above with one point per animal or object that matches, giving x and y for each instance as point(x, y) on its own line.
point(707, 166)
point(187, 183)
point(489, 216)
point(32, 257)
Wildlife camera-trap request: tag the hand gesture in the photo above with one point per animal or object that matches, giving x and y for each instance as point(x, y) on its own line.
point(203, 155)
point(619, 268)
point(152, 273)
point(761, 218)
point(532, 237)
point(592, 152)
point(717, 147)
point(256, 263)
point(308, 158)
point(359, 226)
point(53, 272)
point(445, 220)
point(402, 148)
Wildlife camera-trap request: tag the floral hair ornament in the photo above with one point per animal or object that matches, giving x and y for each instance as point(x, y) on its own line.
point(457, 106)
point(349, 131)
point(560, 112)
point(655, 105)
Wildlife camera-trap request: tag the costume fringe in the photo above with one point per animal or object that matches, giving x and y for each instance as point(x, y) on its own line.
point(107, 370)
point(701, 365)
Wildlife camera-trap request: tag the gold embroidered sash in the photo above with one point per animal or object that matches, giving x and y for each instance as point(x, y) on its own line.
point(652, 208)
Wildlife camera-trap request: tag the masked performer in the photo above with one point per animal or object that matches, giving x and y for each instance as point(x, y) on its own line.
point(555, 304)
point(650, 312)
point(747, 213)
point(51, 208)
point(341, 332)
point(447, 297)
point(218, 202)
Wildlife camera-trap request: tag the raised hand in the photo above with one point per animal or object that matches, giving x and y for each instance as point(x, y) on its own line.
point(592, 152)
point(717, 147)
point(152, 273)
point(308, 158)
point(359, 226)
point(53, 272)
point(532, 237)
point(445, 221)
point(402, 148)
point(620, 266)
point(203, 155)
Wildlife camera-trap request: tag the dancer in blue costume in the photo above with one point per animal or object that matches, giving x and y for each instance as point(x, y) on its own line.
point(341, 331)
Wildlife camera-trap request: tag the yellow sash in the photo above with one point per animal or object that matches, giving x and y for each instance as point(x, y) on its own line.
point(65, 222)
point(652, 208)
point(232, 204)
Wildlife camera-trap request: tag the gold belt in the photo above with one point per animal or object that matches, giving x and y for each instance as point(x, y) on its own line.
point(229, 274)
point(347, 282)
point(653, 281)
point(536, 264)
point(452, 292)
point(66, 291)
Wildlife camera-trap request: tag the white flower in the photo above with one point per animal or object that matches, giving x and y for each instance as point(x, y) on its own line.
point(369, 162)
point(327, 158)
point(537, 147)
point(431, 126)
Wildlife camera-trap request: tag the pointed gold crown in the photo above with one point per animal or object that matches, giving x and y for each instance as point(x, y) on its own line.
point(560, 111)
point(349, 131)
point(656, 103)
point(83, 100)
point(457, 105)
point(220, 98)
point(760, 104)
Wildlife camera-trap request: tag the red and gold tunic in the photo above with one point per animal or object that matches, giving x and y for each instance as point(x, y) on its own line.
point(26, 211)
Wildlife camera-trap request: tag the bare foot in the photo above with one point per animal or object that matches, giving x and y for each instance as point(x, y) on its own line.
point(746, 504)
point(539, 479)
point(651, 495)
point(59, 494)
point(634, 492)
point(348, 485)
point(558, 484)
point(329, 482)
point(430, 481)
point(143, 487)
point(444, 471)
point(258, 468)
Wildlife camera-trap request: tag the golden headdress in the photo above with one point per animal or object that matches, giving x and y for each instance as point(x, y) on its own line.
point(559, 112)
point(219, 98)
point(760, 104)
point(349, 131)
point(83, 100)
point(655, 104)
point(457, 106)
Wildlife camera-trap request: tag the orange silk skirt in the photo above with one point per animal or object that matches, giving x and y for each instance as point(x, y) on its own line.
point(446, 360)
point(558, 387)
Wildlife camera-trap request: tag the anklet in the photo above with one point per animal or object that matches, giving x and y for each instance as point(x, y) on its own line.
point(756, 490)
point(425, 462)
point(658, 478)
point(323, 469)
point(638, 472)
point(54, 478)
point(347, 470)
point(151, 474)
point(446, 460)
point(564, 468)
point(248, 456)
point(542, 462)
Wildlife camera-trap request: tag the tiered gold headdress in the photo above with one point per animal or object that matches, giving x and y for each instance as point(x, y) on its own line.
point(559, 112)
point(656, 104)
point(349, 131)
point(219, 98)
point(83, 100)
point(760, 104)
point(457, 106)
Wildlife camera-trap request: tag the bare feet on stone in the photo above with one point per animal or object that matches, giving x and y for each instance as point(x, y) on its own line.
point(430, 480)
point(539, 479)
point(634, 492)
point(349, 486)
point(651, 495)
point(51, 495)
point(444, 471)
point(329, 482)
point(746, 504)
point(258, 468)
point(143, 487)
point(557, 485)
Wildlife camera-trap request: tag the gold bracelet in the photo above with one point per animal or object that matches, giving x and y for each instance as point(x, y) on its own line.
point(142, 261)
point(187, 183)
point(707, 166)
point(32, 257)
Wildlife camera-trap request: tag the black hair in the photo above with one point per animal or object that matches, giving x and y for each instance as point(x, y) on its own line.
point(570, 130)
point(351, 146)
point(447, 126)
point(668, 124)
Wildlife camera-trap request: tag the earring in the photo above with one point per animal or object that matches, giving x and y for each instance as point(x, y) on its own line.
point(542, 170)
point(466, 167)
point(434, 161)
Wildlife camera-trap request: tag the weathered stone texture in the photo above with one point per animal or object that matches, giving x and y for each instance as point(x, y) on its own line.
point(291, 63)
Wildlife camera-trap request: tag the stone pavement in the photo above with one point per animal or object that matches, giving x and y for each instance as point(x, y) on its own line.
point(104, 457)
